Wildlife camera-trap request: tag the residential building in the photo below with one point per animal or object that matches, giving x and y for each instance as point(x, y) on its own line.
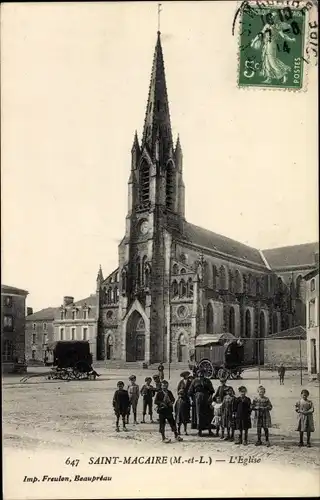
point(312, 300)
point(13, 307)
point(39, 335)
point(78, 321)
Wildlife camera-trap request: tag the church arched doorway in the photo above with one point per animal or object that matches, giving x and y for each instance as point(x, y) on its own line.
point(109, 347)
point(135, 338)
point(182, 349)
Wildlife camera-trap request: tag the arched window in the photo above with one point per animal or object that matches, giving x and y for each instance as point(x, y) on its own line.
point(190, 288)
point(182, 289)
point(231, 282)
point(214, 277)
point(258, 285)
point(265, 285)
point(253, 286)
point(313, 285)
point(124, 280)
point(280, 285)
point(175, 269)
point(116, 277)
point(175, 289)
point(223, 279)
point(170, 186)
point(209, 318)
point(238, 282)
point(143, 274)
point(298, 287)
point(245, 284)
point(183, 271)
point(247, 331)
point(115, 294)
point(138, 271)
point(109, 295)
point(275, 326)
point(232, 321)
point(144, 183)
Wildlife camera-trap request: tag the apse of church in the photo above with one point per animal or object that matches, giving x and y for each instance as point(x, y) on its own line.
point(176, 281)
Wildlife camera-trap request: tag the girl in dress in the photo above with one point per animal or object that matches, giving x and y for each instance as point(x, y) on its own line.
point(229, 414)
point(305, 409)
point(261, 405)
point(217, 416)
point(182, 411)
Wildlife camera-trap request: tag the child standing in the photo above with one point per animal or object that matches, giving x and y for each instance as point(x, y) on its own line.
point(217, 416)
point(164, 400)
point(121, 405)
point(133, 391)
point(261, 405)
point(229, 414)
point(182, 411)
point(147, 393)
point(161, 371)
point(243, 413)
point(281, 373)
point(305, 409)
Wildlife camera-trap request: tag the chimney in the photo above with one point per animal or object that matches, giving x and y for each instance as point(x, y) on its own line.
point(68, 300)
point(29, 311)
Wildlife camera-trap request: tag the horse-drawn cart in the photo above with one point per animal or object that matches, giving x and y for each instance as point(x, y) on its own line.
point(220, 356)
point(71, 360)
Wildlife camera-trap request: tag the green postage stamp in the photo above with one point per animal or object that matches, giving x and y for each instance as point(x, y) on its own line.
point(271, 45)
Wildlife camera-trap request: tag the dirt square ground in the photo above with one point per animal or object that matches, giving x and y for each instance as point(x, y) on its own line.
point(42, 416)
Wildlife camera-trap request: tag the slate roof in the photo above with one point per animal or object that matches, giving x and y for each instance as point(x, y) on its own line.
point(90, 301)
point(311, 274)
point(44, 314)
point(13, 289)
point(291, 256)
point(291, 333)
point(214, 241)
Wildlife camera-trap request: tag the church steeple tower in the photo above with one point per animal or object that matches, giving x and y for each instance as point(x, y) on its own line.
point(157, 120)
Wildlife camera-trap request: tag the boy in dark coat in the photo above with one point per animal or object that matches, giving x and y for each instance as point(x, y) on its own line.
point(281, 373)
point(164, 401)
point(182, 411)
point(121, 405)
point(243, 415)
point(147, 393)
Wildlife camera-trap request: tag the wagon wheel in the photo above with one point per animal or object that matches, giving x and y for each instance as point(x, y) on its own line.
point(234, 374)
point(207, 367)
point(223, 373)
point(64, 374)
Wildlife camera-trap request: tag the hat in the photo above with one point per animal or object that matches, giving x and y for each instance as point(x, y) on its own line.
point(148, 379)
point(120, 383)
point(185, 374)
point(132, 377)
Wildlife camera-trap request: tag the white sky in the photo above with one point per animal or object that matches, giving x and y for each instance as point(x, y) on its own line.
point(75, 79)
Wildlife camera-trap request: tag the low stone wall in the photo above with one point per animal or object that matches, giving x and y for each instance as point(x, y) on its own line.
point(286, 351)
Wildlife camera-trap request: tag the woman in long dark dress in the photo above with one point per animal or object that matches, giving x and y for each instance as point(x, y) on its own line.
point(184, 385)
point(201, 391)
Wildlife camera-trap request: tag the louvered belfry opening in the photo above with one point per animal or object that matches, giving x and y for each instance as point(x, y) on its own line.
point(144, 184)
point(170, 187)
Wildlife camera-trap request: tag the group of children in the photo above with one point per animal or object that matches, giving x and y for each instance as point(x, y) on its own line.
point(230, 413)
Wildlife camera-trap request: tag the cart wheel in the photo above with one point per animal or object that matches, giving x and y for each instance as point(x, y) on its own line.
point(207, 367)
point(64, 375)
point(223, 373)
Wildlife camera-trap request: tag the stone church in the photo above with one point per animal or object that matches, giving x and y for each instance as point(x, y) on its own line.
point(176, 281)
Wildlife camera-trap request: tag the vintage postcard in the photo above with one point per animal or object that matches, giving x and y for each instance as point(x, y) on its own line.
point(160, 249)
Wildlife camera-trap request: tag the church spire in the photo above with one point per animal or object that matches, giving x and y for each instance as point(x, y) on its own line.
point(100, 275)
point(157, 119)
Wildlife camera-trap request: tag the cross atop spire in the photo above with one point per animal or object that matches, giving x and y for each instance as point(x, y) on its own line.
point(157, 119)
point(159, 10)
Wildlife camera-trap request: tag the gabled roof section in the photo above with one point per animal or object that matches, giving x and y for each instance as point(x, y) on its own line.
point(292, 333)
point(89, 301)
point(13, 289)
point(44, 314)
point(157, 125)
point(292, 256)
point(227, 246)
point(311, 274)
